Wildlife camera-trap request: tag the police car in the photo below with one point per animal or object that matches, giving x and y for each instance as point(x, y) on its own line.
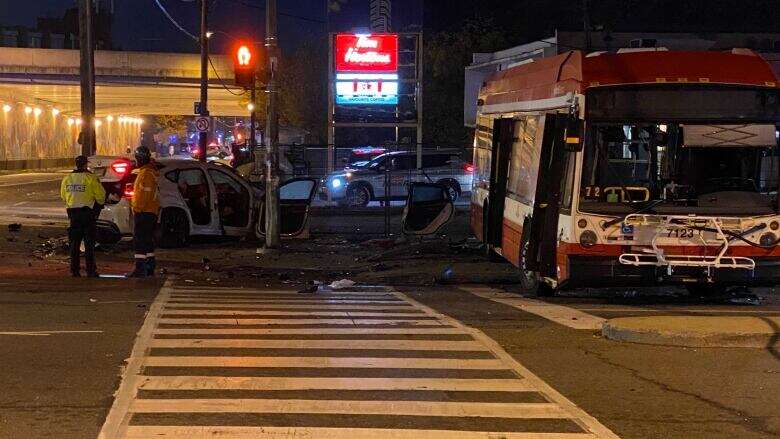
point(200, 199)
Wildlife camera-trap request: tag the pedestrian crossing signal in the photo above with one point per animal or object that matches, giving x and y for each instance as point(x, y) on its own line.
point(244, 65)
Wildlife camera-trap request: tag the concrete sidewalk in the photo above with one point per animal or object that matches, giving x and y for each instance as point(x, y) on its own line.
point(697, 331)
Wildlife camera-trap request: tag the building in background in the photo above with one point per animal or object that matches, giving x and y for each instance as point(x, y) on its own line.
point(483, 64)
point(380, 15)
point(61, 32)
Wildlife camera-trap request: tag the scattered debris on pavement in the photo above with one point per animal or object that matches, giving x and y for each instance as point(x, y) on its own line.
point(341, 284)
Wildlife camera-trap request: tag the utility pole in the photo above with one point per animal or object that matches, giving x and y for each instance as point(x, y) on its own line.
point(252, 119)
point(87, 70)
point(203, 136)
point(271, 133)
point(586, 25)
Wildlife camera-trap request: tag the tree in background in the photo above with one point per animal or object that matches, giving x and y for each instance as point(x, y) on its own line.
point(304, 94)
point(446, 54)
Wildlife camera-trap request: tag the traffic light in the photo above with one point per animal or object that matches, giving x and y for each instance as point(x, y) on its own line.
point(244, 65)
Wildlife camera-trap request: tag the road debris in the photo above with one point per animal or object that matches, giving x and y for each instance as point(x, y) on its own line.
point(340, 284)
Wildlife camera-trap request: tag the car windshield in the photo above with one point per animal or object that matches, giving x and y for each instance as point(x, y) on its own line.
point(680, 168)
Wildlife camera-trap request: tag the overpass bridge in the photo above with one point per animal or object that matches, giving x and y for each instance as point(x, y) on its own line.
point(130, 83)
point(40, 99)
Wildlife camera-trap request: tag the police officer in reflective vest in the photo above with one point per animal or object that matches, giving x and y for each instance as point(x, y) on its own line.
point(146, 206)
point(84, 197)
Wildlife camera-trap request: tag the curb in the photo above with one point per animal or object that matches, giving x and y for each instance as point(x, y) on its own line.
point(696, 331)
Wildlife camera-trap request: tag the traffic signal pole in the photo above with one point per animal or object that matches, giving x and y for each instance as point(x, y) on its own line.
point(272, 133)
point(87, 70)
point(204, 78)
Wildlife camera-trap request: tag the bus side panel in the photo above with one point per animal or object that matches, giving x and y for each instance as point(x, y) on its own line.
point(510, 242)
point(515, 214)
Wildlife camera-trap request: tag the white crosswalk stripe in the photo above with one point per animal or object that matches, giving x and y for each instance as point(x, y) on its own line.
point(242, 363)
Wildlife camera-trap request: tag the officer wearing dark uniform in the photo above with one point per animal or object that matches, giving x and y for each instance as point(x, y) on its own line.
point(84, 196)
point(146, 207)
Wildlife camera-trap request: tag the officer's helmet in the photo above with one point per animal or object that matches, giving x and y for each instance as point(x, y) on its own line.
point(82, 162)
point(142, 156)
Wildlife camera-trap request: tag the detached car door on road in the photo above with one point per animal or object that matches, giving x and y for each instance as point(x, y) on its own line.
point(428, 208)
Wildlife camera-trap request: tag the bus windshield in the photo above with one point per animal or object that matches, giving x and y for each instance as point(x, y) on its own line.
point(707, 169)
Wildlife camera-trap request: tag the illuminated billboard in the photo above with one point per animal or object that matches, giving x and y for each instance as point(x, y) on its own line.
point(366, 89)
point(366, 53)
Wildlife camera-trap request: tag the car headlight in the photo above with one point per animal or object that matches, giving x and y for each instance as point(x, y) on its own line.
point(336, 183)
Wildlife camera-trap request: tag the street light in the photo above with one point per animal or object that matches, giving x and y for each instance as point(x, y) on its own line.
point(6, 108)
point(55, 112)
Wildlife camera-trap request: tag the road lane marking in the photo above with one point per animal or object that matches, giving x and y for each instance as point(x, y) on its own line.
point(118, 417)
point(184, 379)
point(588, 422)
point(304, 331)
point(518, 410)
point(197, 432)
point(218, 312)
point(281, 322)
point(408, 345)
point(48, 180)
point(563, 315)
point(321, 362)
point(366, 307)
point(46, 333)
point(290, 302)
point(295, 383)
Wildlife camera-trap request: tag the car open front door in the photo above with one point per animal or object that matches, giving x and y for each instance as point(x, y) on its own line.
point(295, 197)
point(428, 207)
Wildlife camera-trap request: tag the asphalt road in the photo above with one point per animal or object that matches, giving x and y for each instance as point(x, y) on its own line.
point(235, 348)
point(62, 344)
point(31, 198)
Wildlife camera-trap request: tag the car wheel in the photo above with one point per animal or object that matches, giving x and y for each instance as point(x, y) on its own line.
point(174, 229)
point(358, 196)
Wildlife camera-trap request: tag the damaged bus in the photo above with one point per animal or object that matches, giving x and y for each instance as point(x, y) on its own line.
point(640, 167)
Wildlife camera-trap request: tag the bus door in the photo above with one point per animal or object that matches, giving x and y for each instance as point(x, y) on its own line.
point(544, 222)
point(503, 133)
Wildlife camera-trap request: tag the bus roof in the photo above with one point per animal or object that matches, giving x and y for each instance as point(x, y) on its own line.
point(572, 72)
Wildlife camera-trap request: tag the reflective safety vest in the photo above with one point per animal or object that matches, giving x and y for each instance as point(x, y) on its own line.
point(82, 189)
point(146, 193)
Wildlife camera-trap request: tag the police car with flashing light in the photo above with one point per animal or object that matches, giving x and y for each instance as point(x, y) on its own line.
point(387, 177)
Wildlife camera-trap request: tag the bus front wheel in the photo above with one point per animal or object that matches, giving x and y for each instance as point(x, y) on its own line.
point(530, 281)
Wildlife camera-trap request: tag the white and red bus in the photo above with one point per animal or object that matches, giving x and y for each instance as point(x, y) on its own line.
point(636, 167)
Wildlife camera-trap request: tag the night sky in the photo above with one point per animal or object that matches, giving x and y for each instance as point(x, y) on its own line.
point(140, 25)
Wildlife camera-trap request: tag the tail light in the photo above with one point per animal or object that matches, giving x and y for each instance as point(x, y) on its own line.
point(468, 167)
point(129, 191)
point(121, 167)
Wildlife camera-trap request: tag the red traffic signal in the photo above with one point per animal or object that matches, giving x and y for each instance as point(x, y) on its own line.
point(244, 65)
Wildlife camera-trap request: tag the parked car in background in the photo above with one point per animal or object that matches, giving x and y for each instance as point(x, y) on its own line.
point(361, 156)
point(358, 186)
point(200, 199)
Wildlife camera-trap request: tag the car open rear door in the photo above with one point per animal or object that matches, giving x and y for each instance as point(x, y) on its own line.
point(428, 208)
point(295, 197)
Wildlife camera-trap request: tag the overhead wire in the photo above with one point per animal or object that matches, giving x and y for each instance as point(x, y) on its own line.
point(221, 82)
point(175, 23)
